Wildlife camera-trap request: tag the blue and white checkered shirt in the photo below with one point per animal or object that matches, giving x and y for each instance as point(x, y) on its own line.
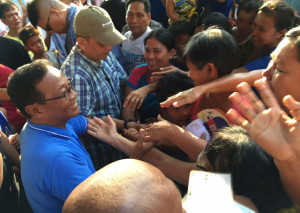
point(98, 94)
point(97, 85)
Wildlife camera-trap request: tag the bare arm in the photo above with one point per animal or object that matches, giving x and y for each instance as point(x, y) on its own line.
point(135, 98)
point(226, 83)
point(186, 141)
point(9, 150)
point(170, 11)
point(172, 168)
point(129, 113)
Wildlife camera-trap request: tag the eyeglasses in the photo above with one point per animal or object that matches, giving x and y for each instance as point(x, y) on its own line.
point(48, 28)
point(66, 94)
point(200, 163)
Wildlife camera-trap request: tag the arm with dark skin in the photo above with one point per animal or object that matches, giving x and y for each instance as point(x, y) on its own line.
point(172, 168)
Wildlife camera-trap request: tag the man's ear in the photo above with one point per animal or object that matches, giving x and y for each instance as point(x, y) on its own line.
point(149, 18)
point(81, 43)
point(280, 33)
point(213, 71)
point(33, 110)
point(171, 53)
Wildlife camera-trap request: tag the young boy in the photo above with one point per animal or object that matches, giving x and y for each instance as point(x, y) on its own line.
point(34, 42)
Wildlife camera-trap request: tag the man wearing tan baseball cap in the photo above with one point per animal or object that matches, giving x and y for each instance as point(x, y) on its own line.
point(97, 75)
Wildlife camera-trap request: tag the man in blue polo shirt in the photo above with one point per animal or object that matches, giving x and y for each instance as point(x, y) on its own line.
point(54, 160)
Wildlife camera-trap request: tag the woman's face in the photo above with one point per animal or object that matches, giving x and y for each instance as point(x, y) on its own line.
point(198, 76)
point(283, 72)
point(264, 32)
point(157, 55)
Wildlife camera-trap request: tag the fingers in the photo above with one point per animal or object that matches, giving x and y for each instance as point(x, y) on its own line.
point(293, 106)
point(266, 94)
point(137, 151)
point(132, 102)
point(171, 100)
point(159, 118)
point(237, 119)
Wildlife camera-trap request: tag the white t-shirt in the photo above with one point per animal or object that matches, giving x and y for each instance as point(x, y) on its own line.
point(133, 50)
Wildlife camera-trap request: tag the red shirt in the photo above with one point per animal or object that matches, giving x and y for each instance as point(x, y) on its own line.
point(13, 116)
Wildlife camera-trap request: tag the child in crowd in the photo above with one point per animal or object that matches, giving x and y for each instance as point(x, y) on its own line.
point(34, 42)
point(242, 33)
point(182, 31)
point(273, 19)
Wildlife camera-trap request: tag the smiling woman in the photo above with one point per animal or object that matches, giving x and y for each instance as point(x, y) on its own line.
point(159, 50)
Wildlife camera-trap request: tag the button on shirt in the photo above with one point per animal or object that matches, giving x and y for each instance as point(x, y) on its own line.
point(97, 85)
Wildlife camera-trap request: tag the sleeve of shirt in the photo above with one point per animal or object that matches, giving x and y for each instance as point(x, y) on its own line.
point(65, 173)
point(257, 64)
point(79, 124)
point(134, 78)
point(84, 95)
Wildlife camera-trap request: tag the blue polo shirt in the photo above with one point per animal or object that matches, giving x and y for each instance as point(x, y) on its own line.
point(53, 163)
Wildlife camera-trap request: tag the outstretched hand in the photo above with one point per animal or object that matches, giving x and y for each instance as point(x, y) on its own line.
point(156, 76)
point(182, 98)
point(275, 131)
point(141, 148)
point(135, 99)
point(104, 131)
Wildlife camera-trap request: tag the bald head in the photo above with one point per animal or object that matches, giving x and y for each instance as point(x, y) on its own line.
point(125, 186)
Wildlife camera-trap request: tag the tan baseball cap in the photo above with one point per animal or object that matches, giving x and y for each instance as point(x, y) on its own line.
point(95, 22)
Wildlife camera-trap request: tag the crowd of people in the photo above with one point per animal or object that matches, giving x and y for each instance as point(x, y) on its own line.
point(109, 107)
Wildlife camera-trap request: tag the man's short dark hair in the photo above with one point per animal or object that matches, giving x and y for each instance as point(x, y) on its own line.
point(33, 12)
point(6, 6)
point(146, 3)
point(27, 32)
point(21, 86)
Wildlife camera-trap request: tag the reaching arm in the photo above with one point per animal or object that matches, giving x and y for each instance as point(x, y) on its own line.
point(186, 141)
point(170, 11)
point(135, 98)
point(276, 132)
point(172, 168)
point(9, 150)
point(226, 83)
point(3, 95)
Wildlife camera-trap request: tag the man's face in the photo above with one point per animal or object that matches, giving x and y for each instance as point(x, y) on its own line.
point(283, 72)
point(137, 19)
point(57, 112)
point(94, 50)
point(12, 18)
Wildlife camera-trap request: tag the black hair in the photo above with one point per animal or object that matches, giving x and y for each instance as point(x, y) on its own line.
point(162, 35)
point(146, 3)
point(21, 85)
point(217, 19)
point(171, 84)
point(27, 32)
point(212, 46)
point(182, 27)
point(281, 12)
point(33, 12)
point(254, 174)
point(294, 36)
point(249, 5)
point(6, 6)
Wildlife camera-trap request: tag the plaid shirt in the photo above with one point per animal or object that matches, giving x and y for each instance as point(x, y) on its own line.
point(97, 85)
point(98, 94)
